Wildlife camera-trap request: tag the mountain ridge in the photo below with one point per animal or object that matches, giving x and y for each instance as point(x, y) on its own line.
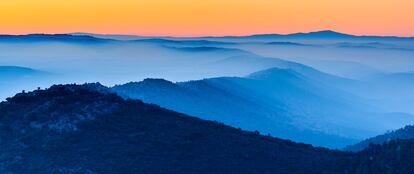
point(406, 132)
point(277, 101)
point(323, 33)
point(78, 129)
point(75, 129)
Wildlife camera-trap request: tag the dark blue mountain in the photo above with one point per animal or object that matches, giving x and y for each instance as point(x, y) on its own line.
point(324, 34)
point(75, 129)
point(321, 34)
point(317, 34)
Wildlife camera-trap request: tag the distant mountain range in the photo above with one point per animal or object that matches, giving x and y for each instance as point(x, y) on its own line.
point(76, 129)
point(51, 37)
point(293, 91)
point(325, 34)
point(297, 103)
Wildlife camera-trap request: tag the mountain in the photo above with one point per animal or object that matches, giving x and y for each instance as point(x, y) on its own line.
point(323, 34)
point(75, 129)
point(395, 156)
point(51, 38)
point(283, 102)
point(111, 36)
point(10, 72)
point(404, 133)
point(96, 59)
point(391, 91)
point(14, 79)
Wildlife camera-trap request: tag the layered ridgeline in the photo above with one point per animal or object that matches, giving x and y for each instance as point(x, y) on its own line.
point(81, 58)
point(115, 61)
point(77, 129)
point(392, 91)
point(404, 133)
point(298, 103)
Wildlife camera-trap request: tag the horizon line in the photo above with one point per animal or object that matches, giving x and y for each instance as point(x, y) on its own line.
point(201, 36)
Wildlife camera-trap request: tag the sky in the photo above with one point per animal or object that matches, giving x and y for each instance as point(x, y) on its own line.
point(207, 17)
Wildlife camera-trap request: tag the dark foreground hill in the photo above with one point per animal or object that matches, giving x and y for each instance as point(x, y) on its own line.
point(72, 129)
point(394, 156)
point(75, 129)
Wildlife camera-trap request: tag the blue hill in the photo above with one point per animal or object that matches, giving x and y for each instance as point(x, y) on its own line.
point(298, 103)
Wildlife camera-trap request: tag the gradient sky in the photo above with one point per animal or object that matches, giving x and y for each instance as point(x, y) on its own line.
point(207, 17)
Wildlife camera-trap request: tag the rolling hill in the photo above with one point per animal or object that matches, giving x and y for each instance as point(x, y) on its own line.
point(14, 79)
point(86, 129)
point(404, 133)
point(75, 129)
point(282, 102)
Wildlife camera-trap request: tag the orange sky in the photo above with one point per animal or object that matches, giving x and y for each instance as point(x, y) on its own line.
point(207, 17)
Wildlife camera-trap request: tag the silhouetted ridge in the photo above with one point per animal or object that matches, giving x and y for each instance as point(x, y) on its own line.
point(74, 128)
point(395, 156)
point(322, 34)
point(153, 81)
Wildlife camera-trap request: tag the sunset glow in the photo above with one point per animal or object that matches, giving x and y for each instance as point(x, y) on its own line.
point(212, 17)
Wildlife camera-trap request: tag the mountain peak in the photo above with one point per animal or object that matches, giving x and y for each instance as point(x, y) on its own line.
point(314, 34)
point(322, 33)
point(156, 81)
point(272, 73)
point(327, 32)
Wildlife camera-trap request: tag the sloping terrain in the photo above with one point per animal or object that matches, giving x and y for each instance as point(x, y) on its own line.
point(14, 79)
point(282, 102)
point(75, 129)
point(395, 156)
point(404, 133)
